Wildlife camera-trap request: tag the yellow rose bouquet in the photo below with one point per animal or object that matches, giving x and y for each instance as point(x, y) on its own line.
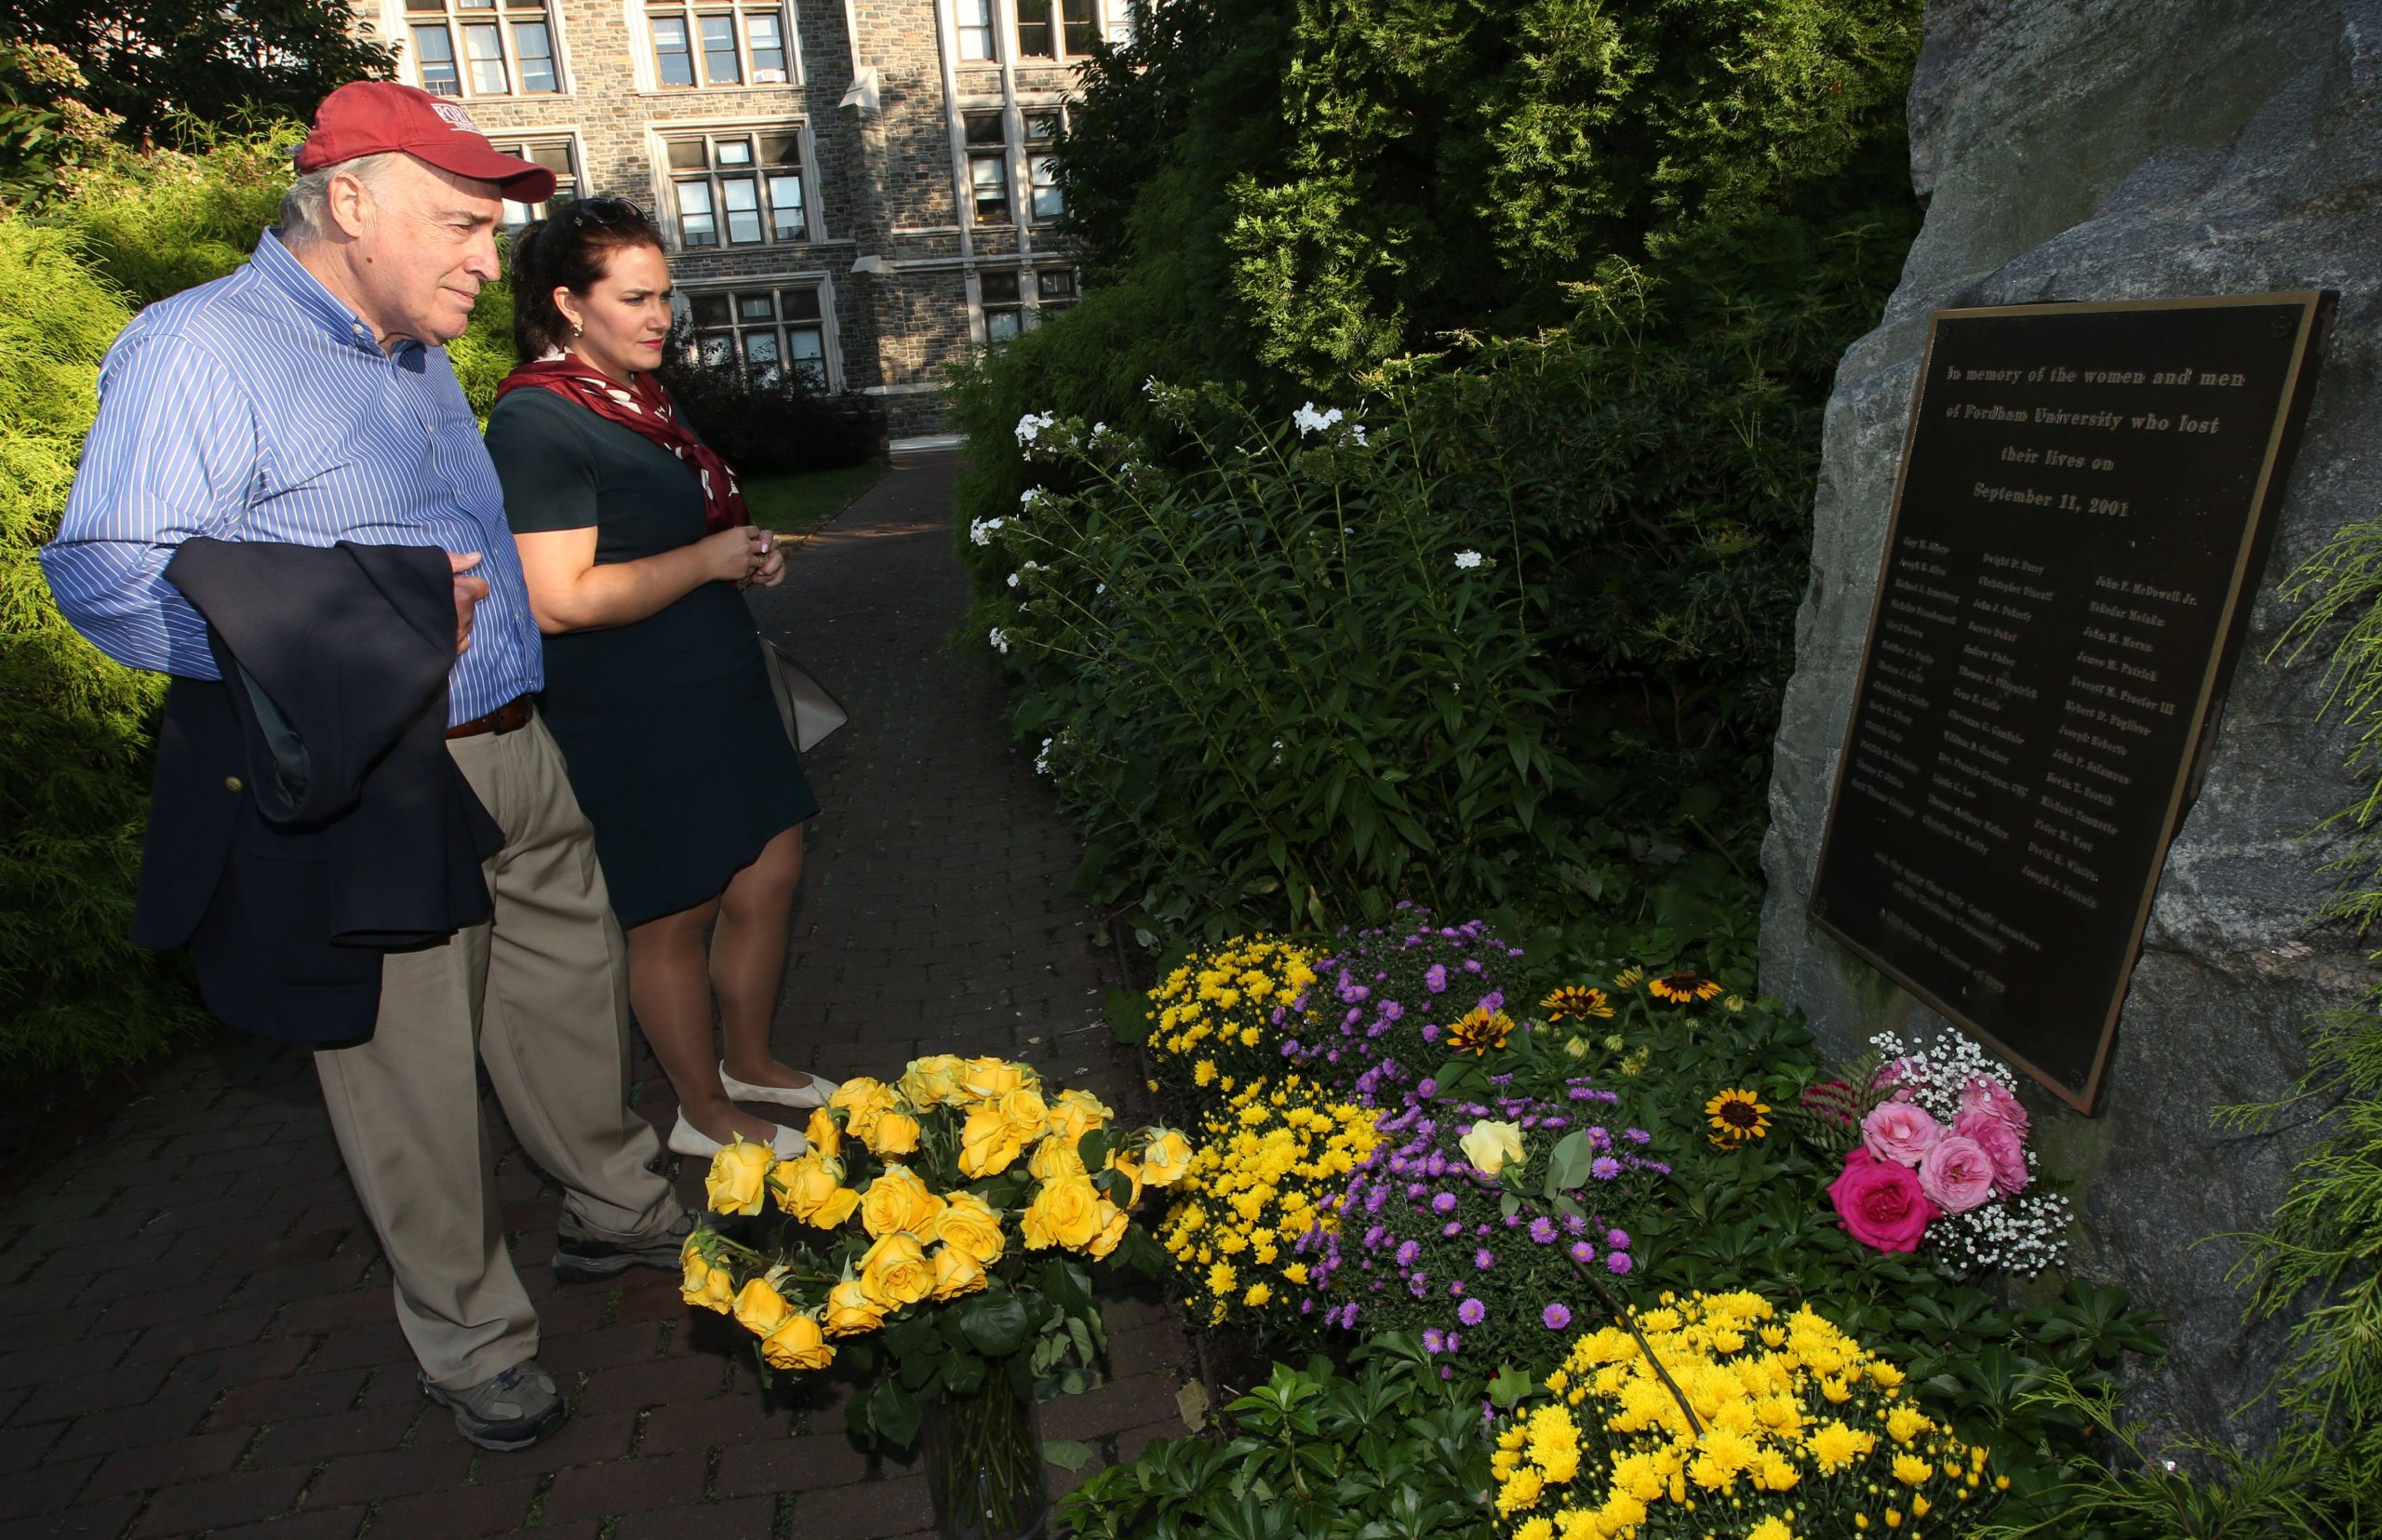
point(938, 1227)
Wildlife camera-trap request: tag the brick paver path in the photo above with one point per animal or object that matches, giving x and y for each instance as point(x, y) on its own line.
point(195, 1332)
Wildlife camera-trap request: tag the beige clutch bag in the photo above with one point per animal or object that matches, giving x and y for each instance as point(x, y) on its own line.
point(806, 707)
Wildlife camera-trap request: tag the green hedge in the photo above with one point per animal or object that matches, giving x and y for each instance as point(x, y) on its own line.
point(74, 727)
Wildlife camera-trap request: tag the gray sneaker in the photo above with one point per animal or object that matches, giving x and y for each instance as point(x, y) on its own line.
point(512, 1411)
point(584, 1258)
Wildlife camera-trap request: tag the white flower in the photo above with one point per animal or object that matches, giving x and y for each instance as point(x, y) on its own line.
point(1466, 560)
point(1030, 426)
point(1307, 419)
point(999, 640)
point(1102, 589)
point(1013, 580)
point(1099, 428)
point(1149, 386)
point(1029, 497)
point(1278, 751)
point(1042, 760)
point(1358, 429)
point(980, 532)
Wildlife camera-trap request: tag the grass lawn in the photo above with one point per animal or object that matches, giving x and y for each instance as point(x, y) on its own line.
point(800, 502)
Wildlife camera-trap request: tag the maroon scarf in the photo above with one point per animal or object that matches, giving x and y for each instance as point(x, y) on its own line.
point(643, 408)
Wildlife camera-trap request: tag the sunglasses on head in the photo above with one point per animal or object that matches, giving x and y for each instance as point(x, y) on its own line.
point(605, 211)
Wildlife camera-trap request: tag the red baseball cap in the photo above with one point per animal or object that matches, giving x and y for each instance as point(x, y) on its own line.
point(372, 117)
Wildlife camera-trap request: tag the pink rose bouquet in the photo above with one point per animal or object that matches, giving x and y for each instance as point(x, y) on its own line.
point(1942, 1160)
point(1880, 1203)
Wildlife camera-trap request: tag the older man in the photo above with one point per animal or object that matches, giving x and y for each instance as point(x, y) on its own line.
point(306, 400)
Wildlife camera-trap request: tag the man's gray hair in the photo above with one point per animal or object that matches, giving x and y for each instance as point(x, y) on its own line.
point(305, 208)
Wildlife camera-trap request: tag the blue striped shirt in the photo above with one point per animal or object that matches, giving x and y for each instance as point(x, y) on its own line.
point(258, 407)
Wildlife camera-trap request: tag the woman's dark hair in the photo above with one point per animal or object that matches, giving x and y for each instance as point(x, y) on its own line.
point(571, 247)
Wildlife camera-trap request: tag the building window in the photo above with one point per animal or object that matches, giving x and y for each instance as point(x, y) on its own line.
point(739, 189)
point(987, 166)
point(1055, 287)
point(731, 45)
point(1043, 126)
point(1004, 312)
point(975, 19)
point(554, 155)
point(507, 47)
point(1045, 25)
point(772, 333)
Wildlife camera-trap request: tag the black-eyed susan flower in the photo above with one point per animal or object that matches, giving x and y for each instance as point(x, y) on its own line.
point(1685, 988)
point(1479, 1030)
point(1738, 1117)
point(1576, 1002)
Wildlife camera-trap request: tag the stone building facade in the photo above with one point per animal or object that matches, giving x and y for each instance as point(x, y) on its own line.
point(856, 189)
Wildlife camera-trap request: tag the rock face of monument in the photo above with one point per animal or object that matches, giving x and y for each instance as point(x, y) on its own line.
point(2084, 150)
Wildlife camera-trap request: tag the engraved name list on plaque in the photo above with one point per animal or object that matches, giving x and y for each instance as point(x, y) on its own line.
point(2083, 514)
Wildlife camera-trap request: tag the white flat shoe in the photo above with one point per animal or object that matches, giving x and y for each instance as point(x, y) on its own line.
point(687, 1139)
point(815, 1094)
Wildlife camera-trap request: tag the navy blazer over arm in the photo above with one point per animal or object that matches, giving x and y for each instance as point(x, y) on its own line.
point(306, 815)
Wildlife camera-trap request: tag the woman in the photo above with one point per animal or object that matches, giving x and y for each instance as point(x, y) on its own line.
point(634, 541)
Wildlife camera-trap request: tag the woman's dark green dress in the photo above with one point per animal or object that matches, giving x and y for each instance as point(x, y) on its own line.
point(669, 724)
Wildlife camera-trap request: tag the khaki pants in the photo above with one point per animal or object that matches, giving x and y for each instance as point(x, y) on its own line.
point(539, 993)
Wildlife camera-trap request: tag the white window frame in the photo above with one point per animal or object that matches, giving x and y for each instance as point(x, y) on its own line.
point(1027, 306)
point(398, 22)
point(830, 346)
point(1033, 154)
point(522, 142)
point(1053, 13)
point(645, 52)
point(668, 179)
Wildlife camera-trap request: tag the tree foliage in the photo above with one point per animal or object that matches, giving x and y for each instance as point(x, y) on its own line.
point(1364, 176)
point(150, 62)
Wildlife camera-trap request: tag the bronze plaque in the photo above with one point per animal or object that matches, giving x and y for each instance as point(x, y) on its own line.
point(2082, 516)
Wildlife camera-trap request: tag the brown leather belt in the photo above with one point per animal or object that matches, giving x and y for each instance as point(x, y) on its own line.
point(513, 715)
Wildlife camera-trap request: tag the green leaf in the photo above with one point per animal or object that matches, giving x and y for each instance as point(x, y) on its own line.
point(1568, 1164)
point(1128, 1016)
point(1067, 1453)
point(894, 1414)
point(1508, 1389)
point(994, 1322)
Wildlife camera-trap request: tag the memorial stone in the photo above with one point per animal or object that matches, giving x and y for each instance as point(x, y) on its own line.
point(2083, 498)
point(2096, 151)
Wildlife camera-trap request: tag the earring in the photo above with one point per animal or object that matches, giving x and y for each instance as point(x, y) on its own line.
point(575, 329)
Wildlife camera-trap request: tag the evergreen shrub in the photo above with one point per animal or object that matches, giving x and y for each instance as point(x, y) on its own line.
point(74, 727)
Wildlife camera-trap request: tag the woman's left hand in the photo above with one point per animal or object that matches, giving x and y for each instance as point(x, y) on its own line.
point(772, 568)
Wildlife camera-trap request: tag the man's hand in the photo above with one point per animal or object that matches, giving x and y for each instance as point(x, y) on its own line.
point(468, 590)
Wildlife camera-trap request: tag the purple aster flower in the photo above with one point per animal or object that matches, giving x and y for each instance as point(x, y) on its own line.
point(1454, 1227)
point(1484, 1259)
point(1408, 1253)
point(1617, 1261)
point(1542, 1230)
point(1636, 1137)
point(1443, 1202)
point(1455, 1340)
point(1583, 1253)
point(1436, 979)
point(1456, 1290)
point(1472, 1312)
point(1427, 1087)
point(1513, 1222)
point(1557, 1317)
point(1605, 1168)
point(1472, 965)
point(1574, 1225)
point(1391, 1010)
point(1616, 1238)
point(1433, 1340)
point(1430, 1033)
point(1446, 1372)
point(1494, 1001)
point(1307, 1304)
